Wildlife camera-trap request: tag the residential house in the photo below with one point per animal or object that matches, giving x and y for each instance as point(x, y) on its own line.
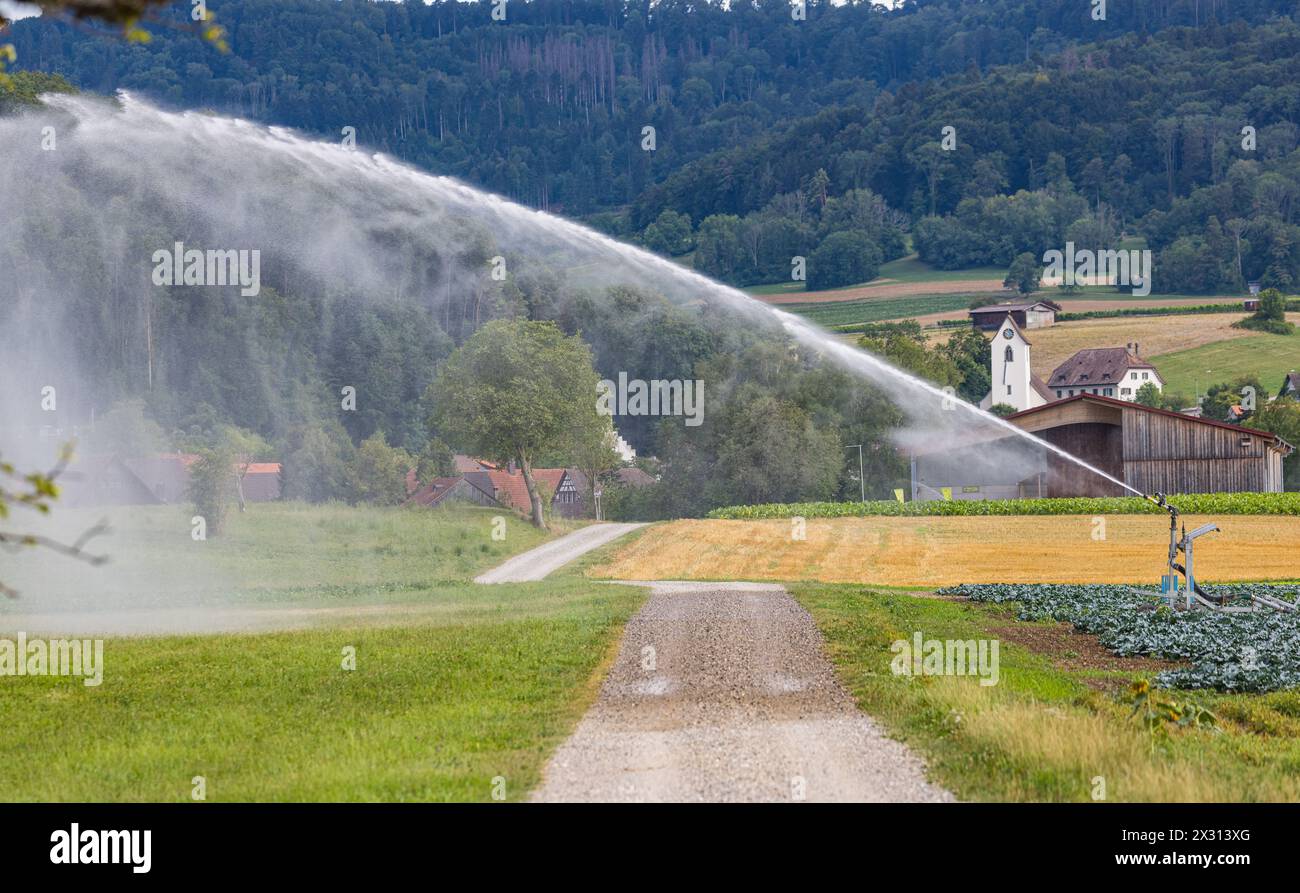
point(161, 479)
point(1117, 372)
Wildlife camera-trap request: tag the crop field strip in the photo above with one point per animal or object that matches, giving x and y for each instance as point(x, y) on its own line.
point(946, 551)
point(1200, 503)
point(1255, 651)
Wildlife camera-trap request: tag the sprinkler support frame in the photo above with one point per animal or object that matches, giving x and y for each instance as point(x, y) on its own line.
point(1184, 543)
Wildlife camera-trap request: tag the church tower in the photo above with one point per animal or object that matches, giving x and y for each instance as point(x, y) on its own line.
point(1012, 380)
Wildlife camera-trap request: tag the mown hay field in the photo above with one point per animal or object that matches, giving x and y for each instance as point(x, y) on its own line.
point(941, 551)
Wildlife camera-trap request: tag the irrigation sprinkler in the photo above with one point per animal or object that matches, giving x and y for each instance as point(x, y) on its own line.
point(1182, 541)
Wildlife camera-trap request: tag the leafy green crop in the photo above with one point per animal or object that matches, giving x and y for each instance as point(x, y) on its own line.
point(1257, 652)
point(1192, 503)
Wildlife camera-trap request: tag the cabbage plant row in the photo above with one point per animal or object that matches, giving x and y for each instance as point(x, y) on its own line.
point(1192, 503)
point(1249, 652)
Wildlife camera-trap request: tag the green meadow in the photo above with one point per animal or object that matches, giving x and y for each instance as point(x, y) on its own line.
point(384, 674)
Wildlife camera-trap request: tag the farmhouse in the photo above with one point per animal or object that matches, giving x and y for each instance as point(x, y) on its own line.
point(487, 484)
point(446, 490)
point(1151, 450)
point(1028, 315)
point(1104, 371)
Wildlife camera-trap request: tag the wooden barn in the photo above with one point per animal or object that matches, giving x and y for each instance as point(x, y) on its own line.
point(1151, 450)
point(1027, 314)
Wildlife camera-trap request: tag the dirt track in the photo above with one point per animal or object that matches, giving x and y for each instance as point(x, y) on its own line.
point(720, 692)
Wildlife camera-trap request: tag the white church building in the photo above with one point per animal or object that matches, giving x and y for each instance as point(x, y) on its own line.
point(1115, 372)
point(1013, 382)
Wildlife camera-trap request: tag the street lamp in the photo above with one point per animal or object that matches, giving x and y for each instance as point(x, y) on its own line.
point(1208, 373)
point(862, 481)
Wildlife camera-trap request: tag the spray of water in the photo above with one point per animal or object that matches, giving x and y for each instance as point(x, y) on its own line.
point(351, 222)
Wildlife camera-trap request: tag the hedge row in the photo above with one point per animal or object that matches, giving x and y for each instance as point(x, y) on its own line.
point(1194, 503)
point(1190, 309)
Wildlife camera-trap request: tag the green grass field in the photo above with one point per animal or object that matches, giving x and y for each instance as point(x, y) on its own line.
point(905, 269)
point(1054, 723)
point(454, 685)
point(274, 552)
point(878, 310)
point(910, 269)
point(1268, 356)
point(1109, 293)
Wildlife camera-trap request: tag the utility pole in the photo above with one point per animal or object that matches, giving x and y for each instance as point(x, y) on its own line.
point(862, 481)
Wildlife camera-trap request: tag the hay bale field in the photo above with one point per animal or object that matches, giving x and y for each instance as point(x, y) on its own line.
point(949, 550)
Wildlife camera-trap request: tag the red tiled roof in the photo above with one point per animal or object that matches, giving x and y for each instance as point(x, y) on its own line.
point(469, 463)
point(512, 491)
point(433, 491)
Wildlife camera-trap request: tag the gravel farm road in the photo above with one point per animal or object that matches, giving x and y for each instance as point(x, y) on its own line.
point(535, 564)
point(721, 692)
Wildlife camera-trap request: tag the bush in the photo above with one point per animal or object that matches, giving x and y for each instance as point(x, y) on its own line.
point(378, 472)
point(1271, 315)
point(212, 487)
point(1195, 503)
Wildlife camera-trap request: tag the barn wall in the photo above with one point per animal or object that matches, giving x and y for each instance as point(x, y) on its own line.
point(1097, 443)
point(1174, 455)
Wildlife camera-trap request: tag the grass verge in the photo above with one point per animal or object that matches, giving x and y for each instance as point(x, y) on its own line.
point(1053, 728)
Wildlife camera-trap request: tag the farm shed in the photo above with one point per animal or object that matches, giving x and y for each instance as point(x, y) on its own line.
point(1027, 314)
point(1151, 450)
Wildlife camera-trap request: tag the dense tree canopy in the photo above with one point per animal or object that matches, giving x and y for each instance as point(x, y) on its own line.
point(758, 114)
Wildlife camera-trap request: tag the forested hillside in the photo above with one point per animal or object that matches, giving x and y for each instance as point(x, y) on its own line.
point(772, 134)
point(774, 138)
